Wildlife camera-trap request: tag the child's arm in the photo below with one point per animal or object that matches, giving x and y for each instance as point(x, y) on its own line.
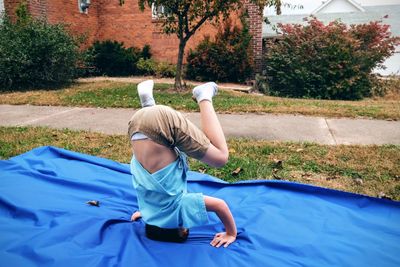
point(222, 210)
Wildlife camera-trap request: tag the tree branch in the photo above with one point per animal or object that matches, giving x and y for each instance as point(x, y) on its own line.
point(194, 29)
point(185, 11)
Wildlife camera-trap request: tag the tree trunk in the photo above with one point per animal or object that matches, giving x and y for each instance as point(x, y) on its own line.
point(179, 65)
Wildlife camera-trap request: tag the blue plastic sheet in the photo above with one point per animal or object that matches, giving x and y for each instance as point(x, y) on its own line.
point(45, 221)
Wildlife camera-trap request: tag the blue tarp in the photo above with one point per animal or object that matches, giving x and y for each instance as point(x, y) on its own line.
point(45, 221)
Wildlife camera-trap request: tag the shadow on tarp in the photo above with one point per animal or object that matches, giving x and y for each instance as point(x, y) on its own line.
point(45, 220)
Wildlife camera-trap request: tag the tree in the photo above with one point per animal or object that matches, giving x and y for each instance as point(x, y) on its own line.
point(185, 17)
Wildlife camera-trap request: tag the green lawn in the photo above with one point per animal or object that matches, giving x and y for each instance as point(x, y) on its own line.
point(371, 170)
point(123, 95)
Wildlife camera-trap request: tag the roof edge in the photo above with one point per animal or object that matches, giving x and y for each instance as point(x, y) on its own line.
point(359, 7)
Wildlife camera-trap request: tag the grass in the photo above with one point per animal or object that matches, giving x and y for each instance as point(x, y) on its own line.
point(370, 170)
point(123, 95)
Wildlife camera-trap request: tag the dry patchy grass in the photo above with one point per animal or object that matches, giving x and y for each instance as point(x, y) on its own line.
point(53, 96)
point(369, 170)
point(18, 140)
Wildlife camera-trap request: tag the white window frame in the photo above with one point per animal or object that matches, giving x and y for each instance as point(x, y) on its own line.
point(80, 7)
point(157, 12)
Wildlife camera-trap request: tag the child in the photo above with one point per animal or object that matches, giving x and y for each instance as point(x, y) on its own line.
point(158, 136)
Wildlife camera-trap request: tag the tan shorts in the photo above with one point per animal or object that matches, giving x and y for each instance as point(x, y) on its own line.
point(170, 128)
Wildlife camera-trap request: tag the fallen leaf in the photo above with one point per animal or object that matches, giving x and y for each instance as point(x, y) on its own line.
point(299, 150)
point(331, 178)
point(275, 175)
point(307, 176)
point(384, 196)
point(95, 203)
point(237, 171)
point(231, 150)
point(109, 145)
point(278, 163)
point(359, 181)
point(202, 170)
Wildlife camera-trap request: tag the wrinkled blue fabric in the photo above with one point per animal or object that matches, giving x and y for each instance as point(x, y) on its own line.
point(45, 221)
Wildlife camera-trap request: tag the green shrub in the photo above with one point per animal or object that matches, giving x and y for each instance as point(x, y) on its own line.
point(34, 53)
point(146, 52)
point(165, 69)
point(327, 61)
point(261, 84)
point(111, 58)
point(159, 69)
point(228, 58)
point(146, 66)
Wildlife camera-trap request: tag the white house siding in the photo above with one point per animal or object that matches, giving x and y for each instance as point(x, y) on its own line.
point(309, 6)
point(1, 6)
point(392, 64)
point(338, 6)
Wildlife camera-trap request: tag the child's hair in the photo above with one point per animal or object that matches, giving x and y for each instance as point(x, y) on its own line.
point(176, 235)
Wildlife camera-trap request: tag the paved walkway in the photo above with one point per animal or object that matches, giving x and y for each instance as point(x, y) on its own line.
point(268, 126)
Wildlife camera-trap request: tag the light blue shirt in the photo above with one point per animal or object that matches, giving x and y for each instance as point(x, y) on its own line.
point(163, 198)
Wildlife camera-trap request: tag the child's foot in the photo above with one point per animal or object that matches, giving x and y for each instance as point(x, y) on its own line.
point(145, 91)
point(205, 91)
point(135, 216)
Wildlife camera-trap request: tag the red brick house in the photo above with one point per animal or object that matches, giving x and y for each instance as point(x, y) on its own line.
point(106, 19)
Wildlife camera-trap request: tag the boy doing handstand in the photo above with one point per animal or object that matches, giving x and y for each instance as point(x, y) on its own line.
point(160, 138)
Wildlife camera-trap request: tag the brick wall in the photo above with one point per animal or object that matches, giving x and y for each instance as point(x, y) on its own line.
point(38, 8)
point(67, 11)
point(136, 28)
point(255, 27)
point(106, 19)
point(62, 11)
point(10, 6)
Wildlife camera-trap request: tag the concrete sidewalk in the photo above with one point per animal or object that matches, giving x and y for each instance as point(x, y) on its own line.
point(267, 126)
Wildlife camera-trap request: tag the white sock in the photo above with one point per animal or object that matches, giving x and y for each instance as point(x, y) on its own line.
point(145, 91)
point(205, 91)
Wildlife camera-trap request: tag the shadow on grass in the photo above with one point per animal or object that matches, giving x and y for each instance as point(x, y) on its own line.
point(42, 87)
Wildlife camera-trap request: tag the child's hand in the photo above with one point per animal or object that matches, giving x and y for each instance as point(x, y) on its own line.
point(222, 239)
point(136, 215)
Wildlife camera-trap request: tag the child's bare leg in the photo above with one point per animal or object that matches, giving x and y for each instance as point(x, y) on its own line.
point(217, 154)
point(136, 215)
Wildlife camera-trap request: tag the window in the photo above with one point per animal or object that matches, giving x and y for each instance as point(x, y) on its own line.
point(158, 11)
point(83, 6)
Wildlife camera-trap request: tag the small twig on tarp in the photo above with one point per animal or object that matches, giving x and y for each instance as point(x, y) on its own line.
point(95, 203)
